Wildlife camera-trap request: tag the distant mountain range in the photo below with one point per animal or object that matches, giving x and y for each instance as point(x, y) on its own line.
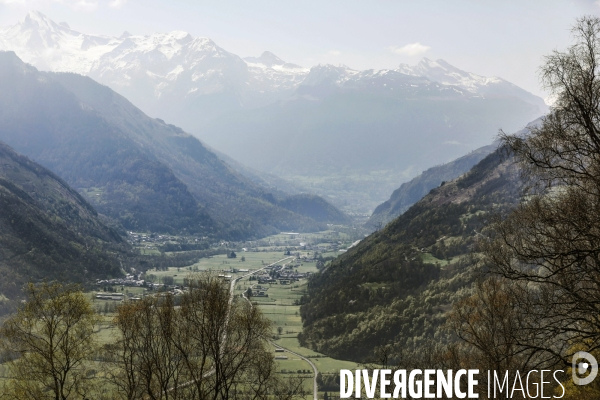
point(48, 231)
point(148, 175)
point(352, 136)
point(355, 136)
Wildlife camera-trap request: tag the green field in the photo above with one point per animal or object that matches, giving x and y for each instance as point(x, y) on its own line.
point(431, 259)
point(279, 307)
point(222, 265)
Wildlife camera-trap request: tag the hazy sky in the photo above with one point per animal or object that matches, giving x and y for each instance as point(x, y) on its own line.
point(504, 38)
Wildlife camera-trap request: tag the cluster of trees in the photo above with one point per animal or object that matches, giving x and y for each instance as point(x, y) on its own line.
point(173, 247)
point(407, 319)
point(543, 300)
point(362, 291)
point(209, 346)
point(328, 382)
point(47, 343)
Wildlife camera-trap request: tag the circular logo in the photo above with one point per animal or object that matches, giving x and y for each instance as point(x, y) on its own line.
point(580, 368)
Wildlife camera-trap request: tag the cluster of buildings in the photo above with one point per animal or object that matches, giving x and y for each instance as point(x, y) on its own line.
point(281, 274)
point(173, 290)
point(110, 296)
point(128, 280)
point(157, 239)
point(259, 291)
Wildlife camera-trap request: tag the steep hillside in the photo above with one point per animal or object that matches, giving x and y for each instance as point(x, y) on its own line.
point(412, 191)
point(395, 287)
point(42, 119)
point(149, 175)
point(47, 230)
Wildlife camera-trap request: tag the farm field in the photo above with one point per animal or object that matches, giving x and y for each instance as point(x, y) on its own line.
point(281, 305)
point(281, 308)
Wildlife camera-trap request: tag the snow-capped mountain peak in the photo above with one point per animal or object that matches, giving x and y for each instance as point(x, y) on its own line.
point(447, 74)
point(270, 74)
point(266, 58)
point(36, 31)
point(328, 74)
point(270, 60)
point(50, 46)
point(37, 20)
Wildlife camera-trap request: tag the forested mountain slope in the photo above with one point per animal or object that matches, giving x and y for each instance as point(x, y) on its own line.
point(411, 192)
point(395, 287)
point(47, 230)
point(147, 174)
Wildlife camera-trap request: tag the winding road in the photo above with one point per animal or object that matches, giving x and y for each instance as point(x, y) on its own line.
point(314, 367)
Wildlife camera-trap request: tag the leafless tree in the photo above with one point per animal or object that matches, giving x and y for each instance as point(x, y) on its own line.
point(495, 324)
point(209, 346)
point(551, 242)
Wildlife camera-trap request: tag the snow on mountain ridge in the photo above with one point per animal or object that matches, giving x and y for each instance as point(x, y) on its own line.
point(49, 46)
point(446, 74)
point(343, 76)
point(270, 74)
point(177, 67)
point(329, 74)
point(266, 58)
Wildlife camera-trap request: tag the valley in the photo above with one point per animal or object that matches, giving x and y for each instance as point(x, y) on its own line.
point(281, 305)
point(188, 218)
point(335, 294)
